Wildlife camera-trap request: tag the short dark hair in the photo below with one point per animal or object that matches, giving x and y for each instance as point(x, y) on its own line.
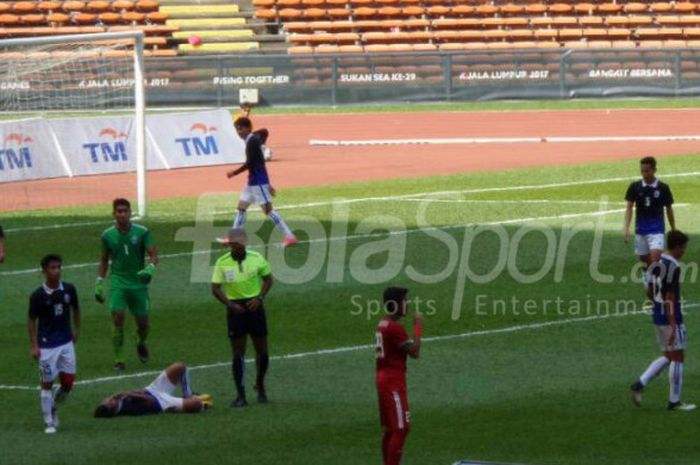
point(50, 258)
point(651, 161)
point(103, 411)
point(393, 296)
point(243, 122)
point(676, 238)
point(121, 202)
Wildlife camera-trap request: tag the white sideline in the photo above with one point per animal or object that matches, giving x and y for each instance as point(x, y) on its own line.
point(340, 350)
point(502, 140)
point(394, 197)
point(355, 236)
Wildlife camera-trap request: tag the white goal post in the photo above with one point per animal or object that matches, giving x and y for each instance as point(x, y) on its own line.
point(39, 75)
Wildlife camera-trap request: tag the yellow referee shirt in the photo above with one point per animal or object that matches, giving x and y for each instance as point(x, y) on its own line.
point(244, 280)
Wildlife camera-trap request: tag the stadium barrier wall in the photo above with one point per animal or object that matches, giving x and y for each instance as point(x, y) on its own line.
point(48, 148)
point(415, 77)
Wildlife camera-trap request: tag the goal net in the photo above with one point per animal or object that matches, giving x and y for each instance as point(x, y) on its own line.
point(78, 100)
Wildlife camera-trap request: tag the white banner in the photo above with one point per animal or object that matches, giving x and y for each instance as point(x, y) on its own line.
point(38, 148)
point(195, 139)
point(28, 150)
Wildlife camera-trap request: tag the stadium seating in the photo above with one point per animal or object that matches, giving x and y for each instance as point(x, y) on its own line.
point(352, 26)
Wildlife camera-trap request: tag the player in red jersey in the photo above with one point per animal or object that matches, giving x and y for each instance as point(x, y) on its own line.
point(392, 349)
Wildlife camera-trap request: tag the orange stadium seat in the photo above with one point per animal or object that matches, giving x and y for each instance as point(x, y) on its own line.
point(439, 10)
point(661, 7)
point(388, 12)
point(560, 8)
point(413, 11)
point(337, 3)
point(588, 21)
point(289, 13)
point(133, 17)
point(313, 13)
point(9, 19)
point(485, 10)
point(365, 12)
point(5, 7)
point(33, 19)
point(147, 5)
point(313, 3)
point(58, 19)
point(288, 3)
point(85, 18)
point(72, 6)
point(463, 10)
point(536, 9)
point(48, 6)
point(109, 18)
point(684, 7)
point(157, 16)
point(23, 8)
point(351, 49)
point(339, 13)
point(266, 14)
point(98, 6)
point(609, 8)
point(635, 7)
point(585, 8)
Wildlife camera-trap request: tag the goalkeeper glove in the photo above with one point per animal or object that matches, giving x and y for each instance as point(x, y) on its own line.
point(100, 290)
point(146, 274)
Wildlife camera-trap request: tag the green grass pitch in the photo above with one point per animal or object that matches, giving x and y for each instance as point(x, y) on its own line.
point(537, 388)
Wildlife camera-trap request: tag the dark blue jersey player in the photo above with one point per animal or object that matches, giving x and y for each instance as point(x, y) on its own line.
point(665, 287)
point(157, 397)
point(52, 339)
point(258, 190)
point(648, 197)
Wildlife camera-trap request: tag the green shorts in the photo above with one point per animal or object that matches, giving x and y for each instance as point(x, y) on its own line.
point(135, 300)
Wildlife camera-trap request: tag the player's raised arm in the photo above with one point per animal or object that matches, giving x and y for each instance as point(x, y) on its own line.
point(414, 347)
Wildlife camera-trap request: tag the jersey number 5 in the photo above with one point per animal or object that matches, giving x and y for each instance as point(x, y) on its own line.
point(379, 348)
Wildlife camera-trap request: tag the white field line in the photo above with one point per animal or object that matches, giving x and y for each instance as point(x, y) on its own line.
point(503, 140)
point(523, 201)
point(393, 197)
point(342, 350)
point(355, 236)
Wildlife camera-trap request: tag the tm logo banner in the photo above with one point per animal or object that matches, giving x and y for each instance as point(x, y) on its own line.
point(202, 143)
point(15, 152)
point(111, 147)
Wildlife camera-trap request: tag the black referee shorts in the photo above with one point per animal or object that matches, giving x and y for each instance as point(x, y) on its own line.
point(248, 322)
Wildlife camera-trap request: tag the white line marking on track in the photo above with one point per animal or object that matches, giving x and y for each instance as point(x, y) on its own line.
point(355, 236)
point(347, 349)
point(503, 140)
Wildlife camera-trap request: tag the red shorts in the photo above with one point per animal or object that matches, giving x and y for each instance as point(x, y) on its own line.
point(393, 408)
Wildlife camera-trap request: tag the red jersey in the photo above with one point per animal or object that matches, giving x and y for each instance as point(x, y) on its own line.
point(391, 353)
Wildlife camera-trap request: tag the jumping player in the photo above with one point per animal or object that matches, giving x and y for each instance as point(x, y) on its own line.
point(53, 340)
point(668, 318)
point(262, 133)
point(127, 244)
point(258, 190)
point(648, 197)
point(392, 348)
point(157, 397)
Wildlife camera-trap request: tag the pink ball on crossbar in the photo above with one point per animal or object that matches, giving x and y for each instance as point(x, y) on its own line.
point(195, 41)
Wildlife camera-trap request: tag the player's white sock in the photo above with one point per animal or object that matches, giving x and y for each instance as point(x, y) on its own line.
point(279, 222)
point(675, 378)
point(185, 384)
point(239, 221)
point(656, 367)
point(47, 405)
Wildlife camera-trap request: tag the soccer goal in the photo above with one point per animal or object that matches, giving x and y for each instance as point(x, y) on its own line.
point(79, 77)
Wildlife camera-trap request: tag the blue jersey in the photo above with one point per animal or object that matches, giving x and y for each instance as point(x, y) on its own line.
point(666, 280)
point(52, 307)
point(138, 403)
point(649, 201)
point(255, 161)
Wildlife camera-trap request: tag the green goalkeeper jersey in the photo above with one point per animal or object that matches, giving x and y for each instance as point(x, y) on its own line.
point(128, 254)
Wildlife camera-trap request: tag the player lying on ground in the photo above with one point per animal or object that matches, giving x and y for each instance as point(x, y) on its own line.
point(157, 397)
point(258, 190)
point(242, 278)
point(393, 347)
point(648, 197)
point(127, 244)
point(665, 288)
point(262, 133)
point(52, 341)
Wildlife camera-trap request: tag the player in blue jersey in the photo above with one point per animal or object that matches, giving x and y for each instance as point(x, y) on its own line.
point(648, 197)
point(52, 341)
point(157, 397)
point(665, 287)
point(258, 190)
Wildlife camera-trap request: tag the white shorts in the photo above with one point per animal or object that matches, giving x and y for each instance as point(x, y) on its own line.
point(679, 342)
point(257, 194)
point(162, 389)
point(56, 360)
point(645, 243)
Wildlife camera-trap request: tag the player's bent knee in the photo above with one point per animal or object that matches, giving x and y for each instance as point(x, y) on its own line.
point(67, 381)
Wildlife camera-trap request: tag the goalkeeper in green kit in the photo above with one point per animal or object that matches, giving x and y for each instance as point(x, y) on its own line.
point(127, 244)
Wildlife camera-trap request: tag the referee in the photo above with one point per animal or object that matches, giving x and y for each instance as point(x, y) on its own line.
point(241, 280)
